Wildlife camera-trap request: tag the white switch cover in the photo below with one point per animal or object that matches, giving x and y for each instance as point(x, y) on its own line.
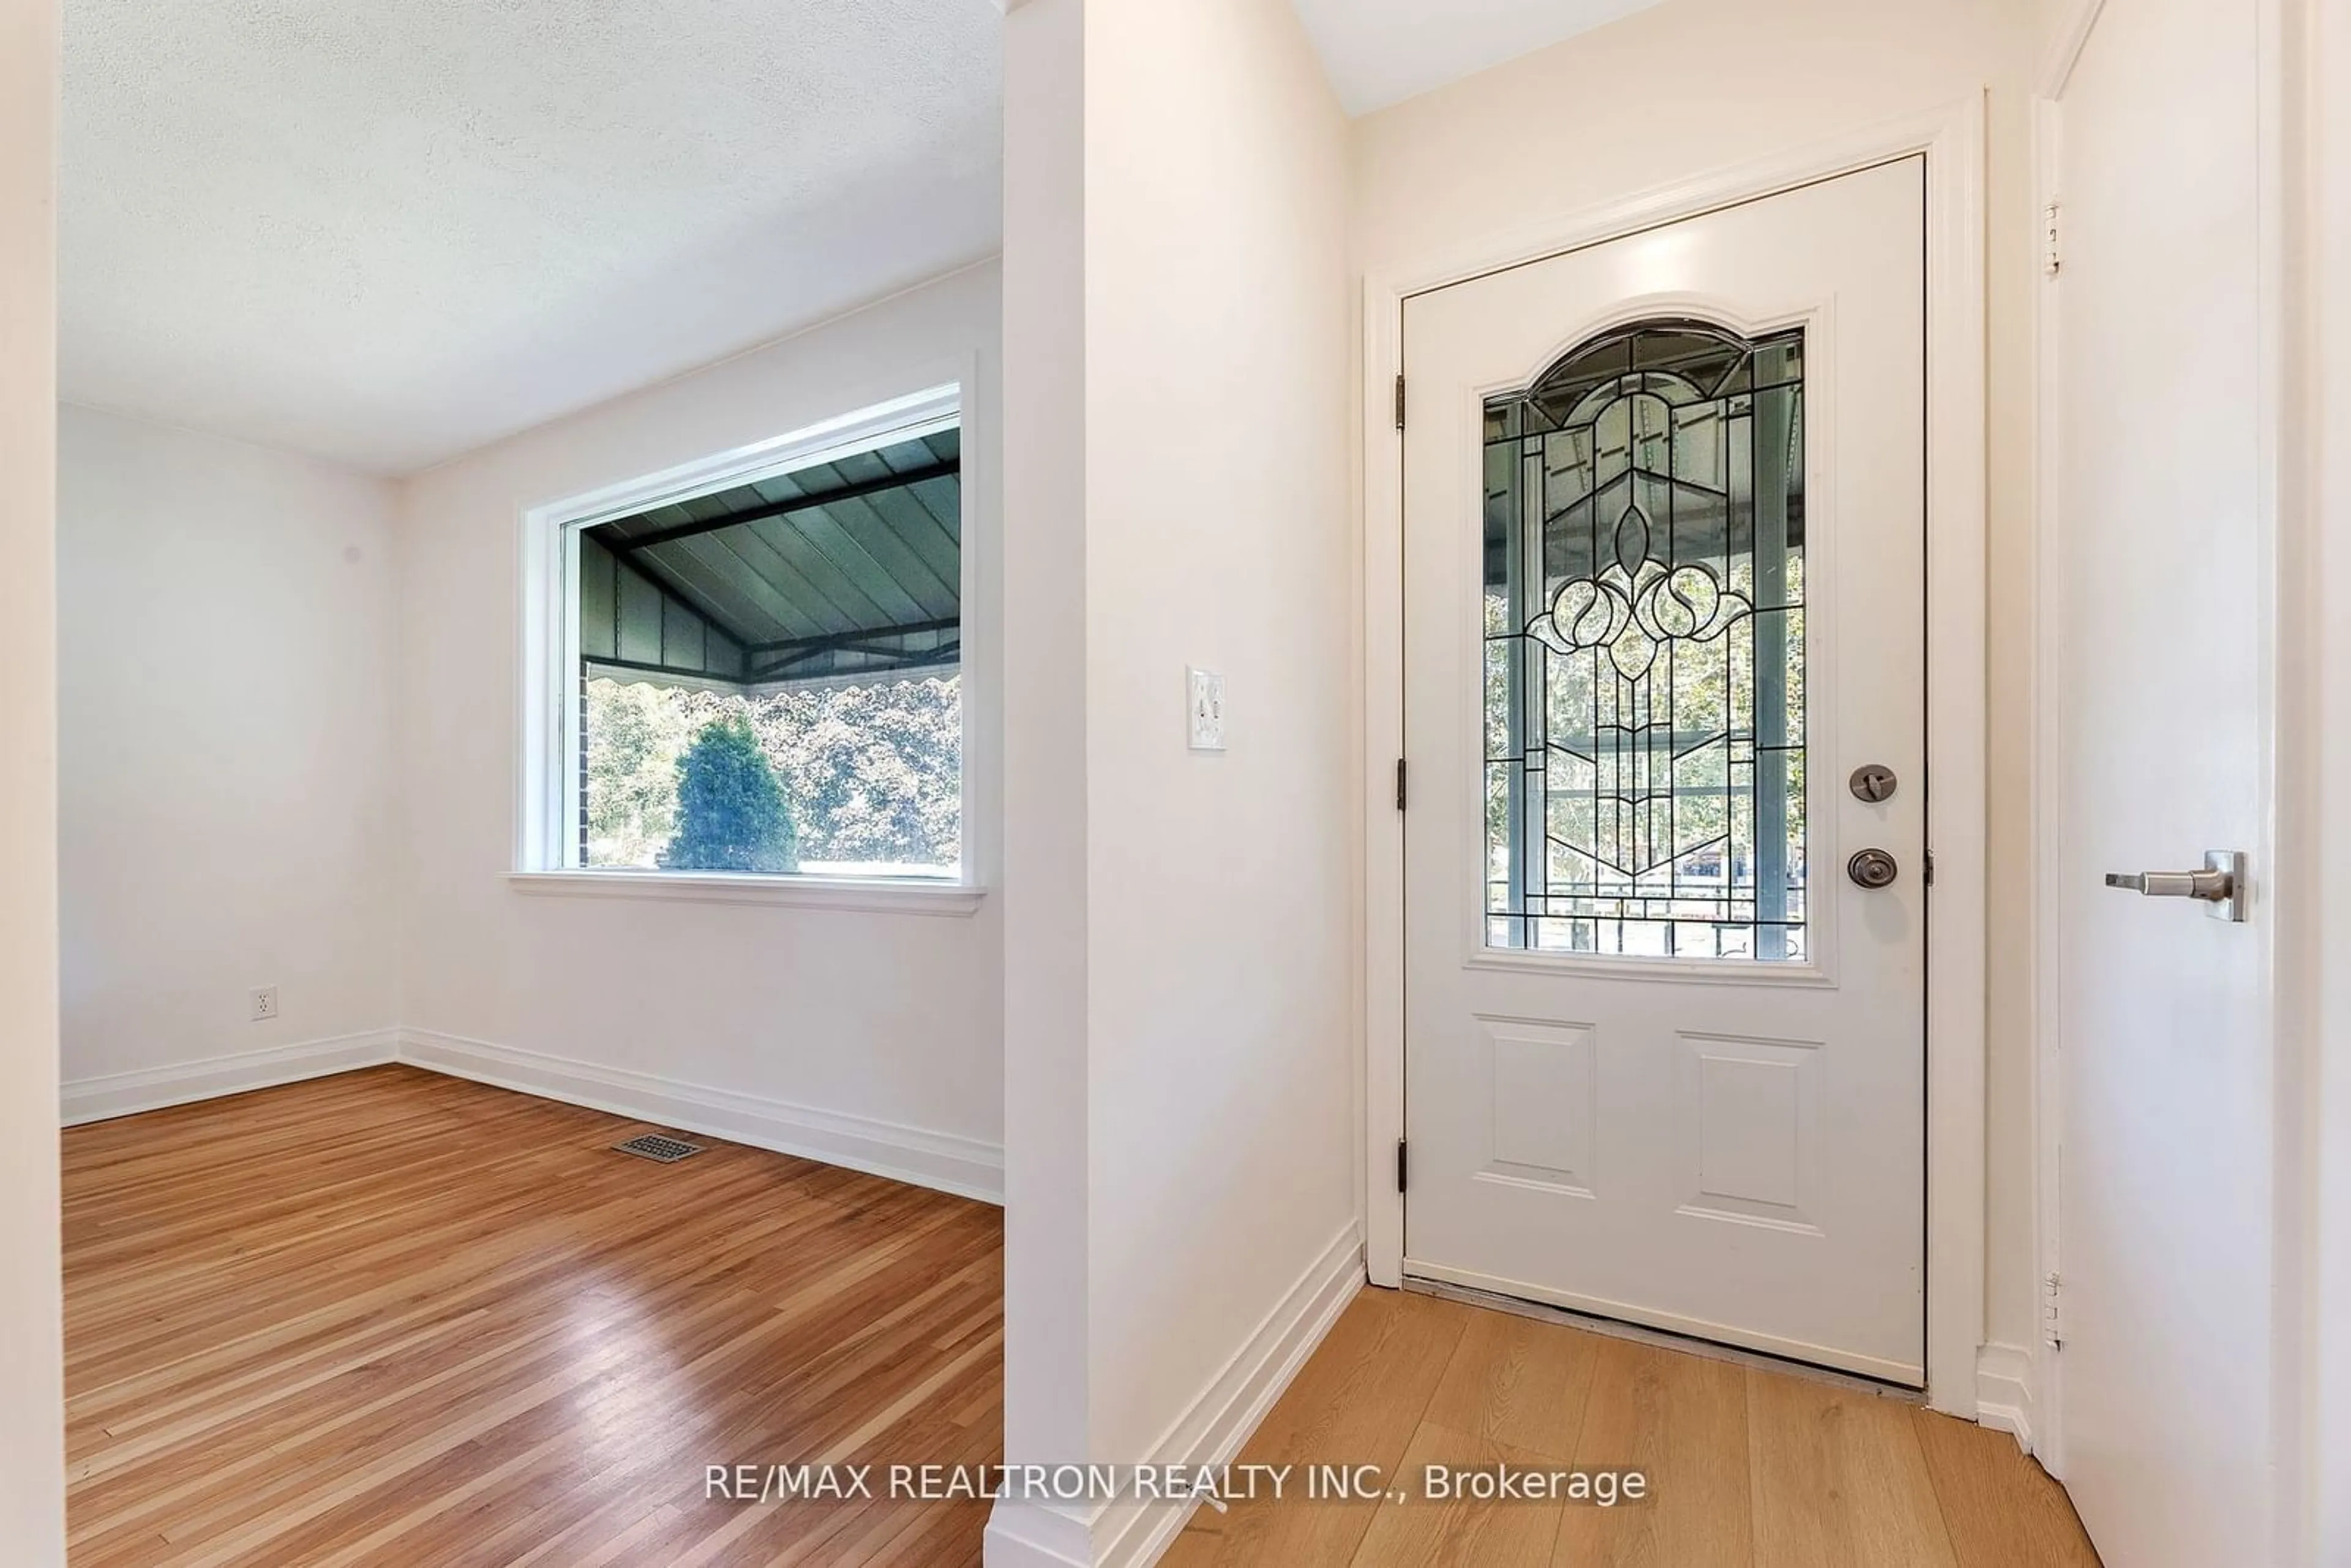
point(1206, 692)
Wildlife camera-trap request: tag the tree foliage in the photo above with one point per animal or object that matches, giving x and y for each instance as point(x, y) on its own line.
point(635, 737)
point(873, 772)
point(876, 770)
point(732, 814)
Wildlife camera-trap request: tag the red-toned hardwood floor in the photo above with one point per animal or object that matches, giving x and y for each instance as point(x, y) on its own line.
point(394, 1318)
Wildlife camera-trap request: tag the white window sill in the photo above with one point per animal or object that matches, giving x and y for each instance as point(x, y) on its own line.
point(871, 896)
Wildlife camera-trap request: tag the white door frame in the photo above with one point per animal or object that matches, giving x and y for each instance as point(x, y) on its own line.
point(1951, 139)
point(2048, 1426)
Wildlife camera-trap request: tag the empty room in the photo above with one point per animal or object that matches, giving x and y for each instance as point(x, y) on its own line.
point(1073, 783)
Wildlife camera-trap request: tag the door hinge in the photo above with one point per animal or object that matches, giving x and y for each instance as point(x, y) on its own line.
point(2051, 259)
point(2051, 1325)
point(1930, 868)
point(1400, 784)
point(1399, 399)
point(1401, 1163)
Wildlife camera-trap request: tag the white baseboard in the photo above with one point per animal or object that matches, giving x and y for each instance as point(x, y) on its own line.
point(1221, 1419)
point(1130, 1534)
point(962, 1165)
point(1038, 1535)
point(115, 1094)
point(2004, 1390)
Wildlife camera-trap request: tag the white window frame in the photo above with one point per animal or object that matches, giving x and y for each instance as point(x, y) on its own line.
point(547, 852)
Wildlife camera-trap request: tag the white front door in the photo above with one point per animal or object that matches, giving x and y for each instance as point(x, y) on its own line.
point(2166, 1027)
point(1665, 569)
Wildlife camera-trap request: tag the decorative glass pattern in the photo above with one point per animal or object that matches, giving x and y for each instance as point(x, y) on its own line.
point(1645, 649)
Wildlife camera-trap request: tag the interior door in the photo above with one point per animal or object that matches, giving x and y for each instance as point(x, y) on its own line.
point(2165, 1029)
point(1665, 846)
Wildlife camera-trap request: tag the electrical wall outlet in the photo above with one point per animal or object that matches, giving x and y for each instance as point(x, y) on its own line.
point(261, 1003)
point(1206, 695)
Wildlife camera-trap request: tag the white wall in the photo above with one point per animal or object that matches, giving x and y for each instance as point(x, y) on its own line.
point(224, 683)
point(1696, 86)
point(1046, 454)
point(32, 1441)
point(1179, 169)
point(1221, 887)
point(875, 1031)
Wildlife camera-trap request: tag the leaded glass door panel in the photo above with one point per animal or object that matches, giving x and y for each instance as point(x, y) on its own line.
point(1645, 651)
point(1664, 525)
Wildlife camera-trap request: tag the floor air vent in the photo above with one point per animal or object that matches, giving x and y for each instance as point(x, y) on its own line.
point(654, 1147)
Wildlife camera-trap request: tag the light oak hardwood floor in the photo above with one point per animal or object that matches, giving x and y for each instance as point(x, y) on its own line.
point(1745, 1468)
point(391, 1317)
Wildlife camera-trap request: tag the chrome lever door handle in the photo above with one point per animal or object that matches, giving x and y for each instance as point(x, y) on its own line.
point(2220, 884)
point(2173, 884)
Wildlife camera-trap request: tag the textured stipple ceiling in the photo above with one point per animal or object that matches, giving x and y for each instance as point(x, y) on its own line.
point(1379, 52)
point(389, 231)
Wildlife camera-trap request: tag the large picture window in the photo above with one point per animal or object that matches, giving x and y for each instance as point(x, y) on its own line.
point(765, 677)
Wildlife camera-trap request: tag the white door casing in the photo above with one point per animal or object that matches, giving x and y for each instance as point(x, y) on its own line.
point(2158, 607)
point(1728, 1147)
